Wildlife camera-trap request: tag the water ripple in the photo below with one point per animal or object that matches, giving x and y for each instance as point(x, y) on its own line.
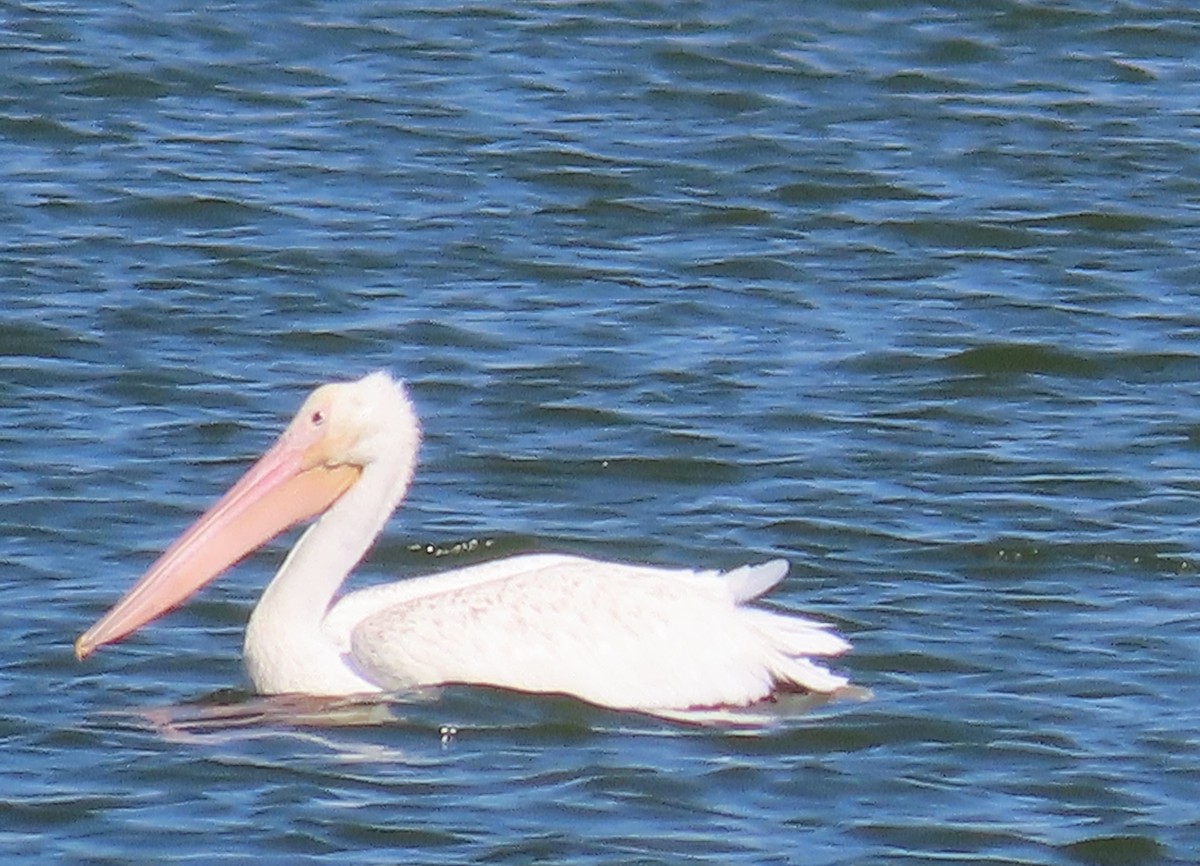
point(903, 294)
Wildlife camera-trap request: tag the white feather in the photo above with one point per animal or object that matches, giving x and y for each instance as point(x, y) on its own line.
point(623, 636)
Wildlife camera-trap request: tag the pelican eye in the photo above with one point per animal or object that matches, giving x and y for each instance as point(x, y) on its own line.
point(317, 418)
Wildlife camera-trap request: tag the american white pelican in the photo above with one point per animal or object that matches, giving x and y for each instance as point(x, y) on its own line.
point(631, 637)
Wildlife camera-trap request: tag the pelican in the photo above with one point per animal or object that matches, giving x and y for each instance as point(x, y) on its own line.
point(630, 637)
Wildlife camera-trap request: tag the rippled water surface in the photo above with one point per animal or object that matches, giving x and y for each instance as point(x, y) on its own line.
point(904, 293)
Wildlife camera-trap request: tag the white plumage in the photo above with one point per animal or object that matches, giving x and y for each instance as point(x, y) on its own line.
point(631, 637)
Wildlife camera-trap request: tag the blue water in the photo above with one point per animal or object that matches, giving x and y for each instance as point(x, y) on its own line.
point(906, 294)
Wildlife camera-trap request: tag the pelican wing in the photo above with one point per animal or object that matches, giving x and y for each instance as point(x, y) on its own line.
point(618, 635)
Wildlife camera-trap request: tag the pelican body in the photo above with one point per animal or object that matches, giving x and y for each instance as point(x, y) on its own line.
point(629, 637)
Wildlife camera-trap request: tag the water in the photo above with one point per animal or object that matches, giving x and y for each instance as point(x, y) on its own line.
point(903, 293)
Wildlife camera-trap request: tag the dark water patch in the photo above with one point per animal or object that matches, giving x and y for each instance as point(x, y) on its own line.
point(376, 835)
point(1131, 849)
point(1022, 359)
point(299, 262)
point(955, 237)
point(956, 841)
point(451, 333)
point(923, 82)
point(199, 211)
point(1105, 222)
point(572, 416)
point(956, 50)
point(326, 342)
point(1167, 32)
point(1024, 19)
point(39, 129)
point(42, 813)
point(875, 729)
point(912, 664)
point(691, 471)
point(39, 340)
point(753, 268)
point(122, 85)
point(735, 216)
point(724, 103)
point(840, 188)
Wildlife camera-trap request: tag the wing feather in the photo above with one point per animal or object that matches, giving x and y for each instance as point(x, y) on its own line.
point(618, 635)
